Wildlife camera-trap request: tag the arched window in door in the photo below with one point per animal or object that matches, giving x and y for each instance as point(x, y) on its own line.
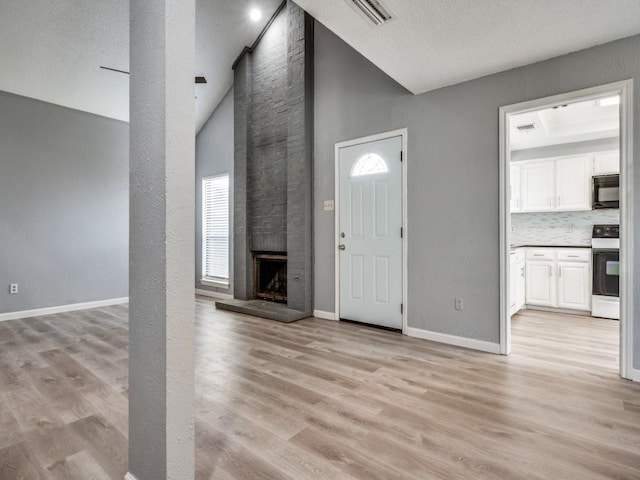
point(369, 164)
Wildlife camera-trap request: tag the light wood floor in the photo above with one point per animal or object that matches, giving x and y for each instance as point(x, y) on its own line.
point(324, 400)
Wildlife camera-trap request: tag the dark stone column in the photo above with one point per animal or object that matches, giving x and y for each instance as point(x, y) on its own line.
point(242, 261)
point(299, 159)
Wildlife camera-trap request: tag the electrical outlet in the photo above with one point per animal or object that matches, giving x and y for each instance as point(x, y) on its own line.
point(568, 228)
point(329, 206)
point(513, 228)
point(459, 303)
point(13, 288)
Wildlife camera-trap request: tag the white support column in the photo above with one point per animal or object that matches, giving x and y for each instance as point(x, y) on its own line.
point(162, 178)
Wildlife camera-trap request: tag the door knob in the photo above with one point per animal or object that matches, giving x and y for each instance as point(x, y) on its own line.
point(341, 247)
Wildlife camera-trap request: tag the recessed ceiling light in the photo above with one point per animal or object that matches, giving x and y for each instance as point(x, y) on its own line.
point(255, 14)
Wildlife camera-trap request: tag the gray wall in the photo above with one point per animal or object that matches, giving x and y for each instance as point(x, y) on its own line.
point(214, 156)
point(64, 205)
point(453, 165)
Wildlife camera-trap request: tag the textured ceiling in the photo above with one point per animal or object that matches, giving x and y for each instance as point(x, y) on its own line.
point(434, 43)
point(52, 51)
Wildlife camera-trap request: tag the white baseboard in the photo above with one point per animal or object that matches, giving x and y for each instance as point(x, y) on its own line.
point(62, 309)
point(568, 311)
point(129, 476)
point(324, 315)
point(216, 295)
point(471, 343)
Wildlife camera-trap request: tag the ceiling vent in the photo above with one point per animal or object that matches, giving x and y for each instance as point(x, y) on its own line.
point(526, 128)
point(373, 11)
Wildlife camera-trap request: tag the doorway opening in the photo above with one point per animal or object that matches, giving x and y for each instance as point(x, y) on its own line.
point(566, 227)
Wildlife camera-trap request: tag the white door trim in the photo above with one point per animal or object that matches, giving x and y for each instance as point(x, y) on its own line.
point(625, 90)
point(357, 141)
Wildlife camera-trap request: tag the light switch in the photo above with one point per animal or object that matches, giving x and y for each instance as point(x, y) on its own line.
point(329, 206)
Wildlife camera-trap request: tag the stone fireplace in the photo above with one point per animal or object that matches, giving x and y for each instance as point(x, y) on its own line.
point(273, 165)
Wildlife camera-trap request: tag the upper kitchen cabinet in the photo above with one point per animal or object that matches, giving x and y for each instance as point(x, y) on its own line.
point(606, 163)
point(573, 183)
point(538, 186)
point(551, 185)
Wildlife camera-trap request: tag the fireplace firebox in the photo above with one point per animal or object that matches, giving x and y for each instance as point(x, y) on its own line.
point(270, 276)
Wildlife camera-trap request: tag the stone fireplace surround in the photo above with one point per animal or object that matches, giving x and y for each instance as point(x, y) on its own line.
point(273, 122)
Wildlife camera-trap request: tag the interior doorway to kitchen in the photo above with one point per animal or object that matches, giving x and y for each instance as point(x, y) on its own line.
point(566, 227)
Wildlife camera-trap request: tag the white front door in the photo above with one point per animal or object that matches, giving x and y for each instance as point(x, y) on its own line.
point(370, 232)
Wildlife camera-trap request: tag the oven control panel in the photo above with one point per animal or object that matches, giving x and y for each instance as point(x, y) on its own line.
point(606, 231)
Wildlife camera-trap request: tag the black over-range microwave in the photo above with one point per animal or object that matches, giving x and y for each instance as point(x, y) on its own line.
point(606, 191)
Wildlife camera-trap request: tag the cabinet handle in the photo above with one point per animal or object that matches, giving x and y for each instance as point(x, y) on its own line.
point(538, 254)
point(549, 271)
point(558, 200)
point(560, 271)
point(573, 256)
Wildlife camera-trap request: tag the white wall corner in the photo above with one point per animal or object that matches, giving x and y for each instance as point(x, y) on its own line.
point(324, 315)
point(62, 309)
point(129, 476)
point(465, 342)
point(216, 295)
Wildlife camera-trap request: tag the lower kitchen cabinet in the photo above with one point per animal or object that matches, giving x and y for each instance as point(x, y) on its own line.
point(559, 278)
point(574, 290)
point(541, 284)
point(517, 281)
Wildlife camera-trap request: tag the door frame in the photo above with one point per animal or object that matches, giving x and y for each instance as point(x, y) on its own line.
point(625, 90)
point(358, 141)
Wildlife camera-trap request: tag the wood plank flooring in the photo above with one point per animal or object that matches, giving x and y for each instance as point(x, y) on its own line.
point(325, 400)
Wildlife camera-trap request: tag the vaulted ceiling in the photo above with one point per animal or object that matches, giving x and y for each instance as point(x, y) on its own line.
point(52, 50)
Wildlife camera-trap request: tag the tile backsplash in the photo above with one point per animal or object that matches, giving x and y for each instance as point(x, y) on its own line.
point(550, 228)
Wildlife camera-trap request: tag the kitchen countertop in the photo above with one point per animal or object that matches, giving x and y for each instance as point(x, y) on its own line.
point(550, 246)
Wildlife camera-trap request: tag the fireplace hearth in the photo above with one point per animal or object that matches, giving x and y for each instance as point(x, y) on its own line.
point(270, 276)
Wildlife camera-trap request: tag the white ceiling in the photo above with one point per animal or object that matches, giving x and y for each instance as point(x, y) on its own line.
point(574, 122)
point(434, 43)
point(52, 51)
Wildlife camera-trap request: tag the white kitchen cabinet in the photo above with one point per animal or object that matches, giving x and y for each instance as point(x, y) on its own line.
point(516, 281)
point(573, 183)
point(521, 286)
point(541, 284)
point(574, 287)
point(516, 187)
point(606, 163)
point(552, 185)
point(559, 278)
point(538, 186)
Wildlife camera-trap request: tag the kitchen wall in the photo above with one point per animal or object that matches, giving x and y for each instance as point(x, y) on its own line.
point(550, 228)
point(453, 171)
point(214, 156)
point(64, 205)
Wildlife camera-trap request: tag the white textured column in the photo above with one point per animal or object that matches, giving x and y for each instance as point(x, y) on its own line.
point(162, 176)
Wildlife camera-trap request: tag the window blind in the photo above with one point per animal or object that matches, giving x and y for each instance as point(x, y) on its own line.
point(215, 228)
